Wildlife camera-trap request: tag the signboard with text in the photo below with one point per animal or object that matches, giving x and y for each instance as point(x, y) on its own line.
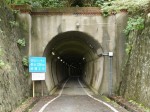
point(38, 76)
point(37, 64)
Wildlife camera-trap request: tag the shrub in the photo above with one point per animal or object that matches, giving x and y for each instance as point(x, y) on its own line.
point(21, 42)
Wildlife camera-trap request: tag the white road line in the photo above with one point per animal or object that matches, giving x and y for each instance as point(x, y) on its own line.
point(112, 108)
point(43, 108)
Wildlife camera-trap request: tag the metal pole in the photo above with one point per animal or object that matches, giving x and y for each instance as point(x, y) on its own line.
point(42, 87)
point(111, 77)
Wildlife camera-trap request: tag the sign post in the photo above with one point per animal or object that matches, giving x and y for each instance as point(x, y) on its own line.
point(37, 67)
point(33, 89)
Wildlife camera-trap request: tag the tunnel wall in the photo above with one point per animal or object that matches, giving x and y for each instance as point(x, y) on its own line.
point(107, 31)
point(55, 75)
point(93, 73)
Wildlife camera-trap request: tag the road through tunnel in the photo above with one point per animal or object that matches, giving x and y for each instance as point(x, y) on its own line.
point(73, 54)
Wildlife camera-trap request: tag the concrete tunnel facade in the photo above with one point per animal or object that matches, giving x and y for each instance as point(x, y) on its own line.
point(75, 38)
point(74, 54)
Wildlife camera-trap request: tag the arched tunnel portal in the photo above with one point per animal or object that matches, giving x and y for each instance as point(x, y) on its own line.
point(73, 54)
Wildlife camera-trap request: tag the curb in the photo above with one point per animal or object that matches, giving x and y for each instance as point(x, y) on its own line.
point(31, 105)
point(124, 103)
point(25, 106)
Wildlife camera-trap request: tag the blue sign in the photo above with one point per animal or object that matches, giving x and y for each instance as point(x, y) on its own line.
point(37, 64)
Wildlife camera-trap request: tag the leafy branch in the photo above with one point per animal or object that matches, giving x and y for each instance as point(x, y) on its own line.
point(25, 61)
point(13, 23)
point(21, 42)
point(136, 23)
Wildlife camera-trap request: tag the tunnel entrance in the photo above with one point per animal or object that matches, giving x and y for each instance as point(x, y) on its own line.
point(73, 54)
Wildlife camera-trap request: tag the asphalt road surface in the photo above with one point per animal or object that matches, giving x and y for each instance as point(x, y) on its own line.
point(74, 96)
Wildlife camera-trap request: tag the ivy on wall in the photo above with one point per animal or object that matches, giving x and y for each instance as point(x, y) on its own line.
point(25, 61)
point(21, 42)
point(134, 24)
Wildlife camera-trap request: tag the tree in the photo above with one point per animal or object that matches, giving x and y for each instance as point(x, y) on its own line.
point(59, 3)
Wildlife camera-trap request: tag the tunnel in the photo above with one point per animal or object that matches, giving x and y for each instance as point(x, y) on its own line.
point(73, 54)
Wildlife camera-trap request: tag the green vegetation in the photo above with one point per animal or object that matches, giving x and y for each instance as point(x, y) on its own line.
point(140, 106)
point(100, 3)
point(15, 11)
point(1, 63)
point(21, 42)
point(1, 54)
point(106, 98)
point(25, 61)
point(1, 51)
point(47, 3)
point(13, 23)
point(107, 6)
point(132, 6)
point(1, 31)
point(133, 24)
point(60, 3)
point(26, 74)
point(35, 3)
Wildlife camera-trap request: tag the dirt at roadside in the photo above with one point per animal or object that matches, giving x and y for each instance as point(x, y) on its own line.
point(127, 105)
point(27, 104)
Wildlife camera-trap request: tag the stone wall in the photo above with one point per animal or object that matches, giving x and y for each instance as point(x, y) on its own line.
point(14, 86)
point(136, 74)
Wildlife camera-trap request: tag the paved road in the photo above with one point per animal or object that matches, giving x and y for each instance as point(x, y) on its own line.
point(73, 96)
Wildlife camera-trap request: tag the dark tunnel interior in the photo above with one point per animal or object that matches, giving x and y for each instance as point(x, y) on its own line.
point(68, 54)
